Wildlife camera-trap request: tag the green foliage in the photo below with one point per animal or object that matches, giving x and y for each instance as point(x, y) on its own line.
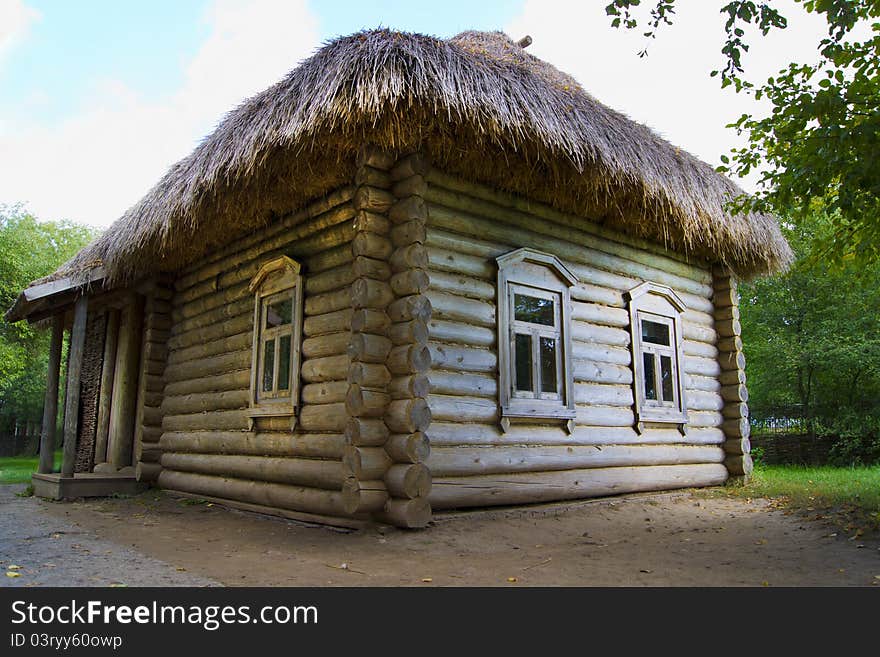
point(29, 249)
point(812, 344)
point(820, 141)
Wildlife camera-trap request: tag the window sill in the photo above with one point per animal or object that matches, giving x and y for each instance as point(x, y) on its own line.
point(268, 411)
point(534, 413)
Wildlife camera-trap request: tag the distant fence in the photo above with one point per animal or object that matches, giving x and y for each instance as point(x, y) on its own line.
point(22, 440)
point(791, 448)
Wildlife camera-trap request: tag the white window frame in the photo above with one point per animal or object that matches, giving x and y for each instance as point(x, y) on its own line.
point(660, 304)
point(276, 280)
point(541, 275)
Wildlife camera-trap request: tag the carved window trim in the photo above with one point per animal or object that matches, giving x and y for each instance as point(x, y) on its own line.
point(523, 271)
point(651, 302)
point(277, 280)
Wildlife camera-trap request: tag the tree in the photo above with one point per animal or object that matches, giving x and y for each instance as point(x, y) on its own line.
point(821, 140)
point(812, 343)
point(29, 249)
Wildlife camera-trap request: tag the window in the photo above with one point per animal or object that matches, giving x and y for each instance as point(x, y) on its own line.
point(535, 375)
point(655, 320)
point(277, 329)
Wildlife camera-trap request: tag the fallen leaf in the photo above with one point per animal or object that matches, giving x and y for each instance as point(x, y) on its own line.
point(765, 583)
point(13, 574)
point(427, 580)
point(645, 570)
point(511, 579)
point(180, 570)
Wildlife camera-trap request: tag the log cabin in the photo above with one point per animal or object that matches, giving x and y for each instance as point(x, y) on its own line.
point(414, 275)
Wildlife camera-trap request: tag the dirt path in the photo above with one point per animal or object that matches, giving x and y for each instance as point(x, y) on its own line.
point(679, 539)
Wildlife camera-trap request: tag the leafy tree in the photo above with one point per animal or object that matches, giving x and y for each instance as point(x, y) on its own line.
point(821, 140)
point(812, 343)
point(29, 249)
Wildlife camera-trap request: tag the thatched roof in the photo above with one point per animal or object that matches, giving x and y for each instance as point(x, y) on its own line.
point(480, 107)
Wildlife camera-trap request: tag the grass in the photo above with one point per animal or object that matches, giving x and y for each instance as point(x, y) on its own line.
point(847, 496)
point(18, 469)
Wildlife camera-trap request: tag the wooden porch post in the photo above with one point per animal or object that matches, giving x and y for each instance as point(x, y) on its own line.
point(125, 383)
point(50, 406)
point(106, 396)
point(74, 368)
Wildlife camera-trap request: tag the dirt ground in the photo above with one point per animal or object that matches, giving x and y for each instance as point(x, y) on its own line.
point(670, 539)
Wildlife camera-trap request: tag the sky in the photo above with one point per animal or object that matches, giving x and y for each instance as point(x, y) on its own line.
point(99, 97)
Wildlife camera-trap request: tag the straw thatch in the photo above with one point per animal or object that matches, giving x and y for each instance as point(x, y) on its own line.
point(480, 107)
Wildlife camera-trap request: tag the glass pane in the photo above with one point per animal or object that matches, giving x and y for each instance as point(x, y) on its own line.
point(278, 313)
point(523, 362)
point(268, 365)
point(284, 363)
point(655, 332)
point(533, 310)
point(548, 365)
point(666, 388)
point(650, 380)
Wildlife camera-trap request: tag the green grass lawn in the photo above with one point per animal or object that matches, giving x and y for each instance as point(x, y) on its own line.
point(852, 495)
point(18, 470)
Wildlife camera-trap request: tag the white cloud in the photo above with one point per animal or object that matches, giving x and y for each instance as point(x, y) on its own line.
point(669, 90)
point(97, 163)
point(16, 19)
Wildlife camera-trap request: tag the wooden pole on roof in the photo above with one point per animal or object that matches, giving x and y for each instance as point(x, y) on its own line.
point(74, 369)
point(50, 405)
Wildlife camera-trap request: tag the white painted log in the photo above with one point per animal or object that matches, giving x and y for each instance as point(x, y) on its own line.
point(460, 333)
point(466, 286)
point(527, 488)
point(704, 383)
point(452, 433)
point(589, 371)
point(599, 314)
point(604, 416)
point(462, 359)
point(698, 400)
point(461, 309)
point(700, 349)
point(596, 352)
point(468, 461)
point(297, 498)
point(701, 366)
point(456, 383)
point(449, 258)
point(705, 418)
point(606, 335)
point(458, 408)
point(605, 394)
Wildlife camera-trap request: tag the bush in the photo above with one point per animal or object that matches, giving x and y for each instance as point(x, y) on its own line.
point(855, 437)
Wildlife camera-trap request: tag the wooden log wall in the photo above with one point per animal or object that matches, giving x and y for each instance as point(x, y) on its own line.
point(207, 444)
point(368, 345)
point(151, 382)
point(735, 411)
point(472, 462)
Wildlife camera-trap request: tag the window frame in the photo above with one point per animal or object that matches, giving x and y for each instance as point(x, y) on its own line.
point(540, 275)
point(660, 304)
point(278, 279)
